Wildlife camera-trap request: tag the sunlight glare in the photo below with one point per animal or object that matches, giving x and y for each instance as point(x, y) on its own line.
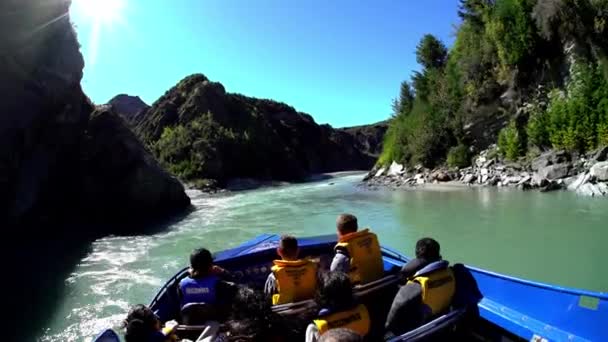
point(104, 11)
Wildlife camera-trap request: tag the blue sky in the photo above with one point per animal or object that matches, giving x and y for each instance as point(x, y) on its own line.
point(340, 61)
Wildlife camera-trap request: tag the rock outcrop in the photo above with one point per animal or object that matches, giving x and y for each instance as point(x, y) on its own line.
point(208, 136)
point(368, 138)
point(552, 170)
point(56, 161)
point(131, 108)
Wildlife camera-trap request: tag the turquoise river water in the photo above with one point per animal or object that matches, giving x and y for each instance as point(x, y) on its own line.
point(558, 238)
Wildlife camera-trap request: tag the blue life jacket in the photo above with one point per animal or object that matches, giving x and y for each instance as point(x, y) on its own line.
point(198, 290)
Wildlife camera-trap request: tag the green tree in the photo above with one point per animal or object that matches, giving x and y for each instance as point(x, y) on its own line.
point(403, 105)
point(430, 52)
point(510, 142)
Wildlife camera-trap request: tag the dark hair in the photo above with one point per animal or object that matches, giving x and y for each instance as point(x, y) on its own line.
point(427, 248)
point(140, 323)
point(335, 292)
point(200, 261)
point(252, 318)
point(340, 335)
point(347, 223)
point(289, 246)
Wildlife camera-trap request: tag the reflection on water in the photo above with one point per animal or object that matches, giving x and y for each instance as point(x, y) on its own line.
point(555, 237)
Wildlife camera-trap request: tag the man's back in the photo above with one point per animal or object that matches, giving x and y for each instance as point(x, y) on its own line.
point(359, 255)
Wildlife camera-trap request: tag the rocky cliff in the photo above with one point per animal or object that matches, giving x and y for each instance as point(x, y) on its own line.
point(129, 107)
point(208, 136)
point(57, 160)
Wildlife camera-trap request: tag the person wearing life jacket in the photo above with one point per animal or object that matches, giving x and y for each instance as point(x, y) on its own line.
point(142, 325)
point(205, 283)
point(291, 279)
point(338, 308)
point(428, 291)
point(358, 252)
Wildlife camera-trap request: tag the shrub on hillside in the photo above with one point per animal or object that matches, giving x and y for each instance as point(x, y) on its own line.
point(510, 142)
point(459, 156)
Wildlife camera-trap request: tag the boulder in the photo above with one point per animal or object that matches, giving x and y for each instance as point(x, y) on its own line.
point(603, 187)
point(513, 179)
point(551, 186)
point(556, 171)
point(469, 178)
point(589, 189)
point(489, 163)
point(484, 178)
point(538, 180)
point(380, 172)
point(525, 180)
point(441, 176)
point(549, 158)
point(580, 180)
point(601, 154)
point(395, 169)
point(600, 171)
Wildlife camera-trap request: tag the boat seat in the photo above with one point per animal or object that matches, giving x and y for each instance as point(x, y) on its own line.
point(432, 328)
point(375, 286)
point(197, 313)
point(359, 291)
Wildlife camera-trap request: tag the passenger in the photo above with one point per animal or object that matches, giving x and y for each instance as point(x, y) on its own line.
point(357, 252)
point(291, 279)
point(338, 308)
point(205, 283)
point(341, 335)
point(252, 319)
point(142, 325)
point(428, 292)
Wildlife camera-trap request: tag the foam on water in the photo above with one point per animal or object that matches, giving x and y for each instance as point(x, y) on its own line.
point(500, 230)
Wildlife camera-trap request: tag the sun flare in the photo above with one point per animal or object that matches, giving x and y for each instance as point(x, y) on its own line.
point(104, 11)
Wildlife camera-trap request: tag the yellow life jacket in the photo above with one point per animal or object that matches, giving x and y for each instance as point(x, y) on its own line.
point(438, 288)
point(356, 319)
point(366, 263)
point(296, 280)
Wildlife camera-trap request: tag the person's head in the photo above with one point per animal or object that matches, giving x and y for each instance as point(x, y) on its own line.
point(335, 292)
point(345, 224)
point(428, 249)
point(141, 322)
point(200, 262)
point(340, 335)
point(252, 318)
point(288, 247)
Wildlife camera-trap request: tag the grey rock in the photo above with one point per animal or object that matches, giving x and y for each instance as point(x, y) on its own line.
point(556, 171)
point(469, 178)
point(551, 186)
point(525, 180)
point(538, 180)
point(603, 187)
point(589, 189)
point(601, 154)
point(600, 171)
point(488, 163)
point(380, 172)
point(513, 179)
point(580, 180)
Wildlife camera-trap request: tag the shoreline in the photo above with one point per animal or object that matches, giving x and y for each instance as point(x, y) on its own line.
point(586, 175)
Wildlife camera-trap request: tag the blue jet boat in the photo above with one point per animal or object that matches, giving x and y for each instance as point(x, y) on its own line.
point(487, 307)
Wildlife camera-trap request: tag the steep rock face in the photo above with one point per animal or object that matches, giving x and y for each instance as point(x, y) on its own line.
point(199, 131)
point(50, 150)
point(368, 138)
point(129, 107)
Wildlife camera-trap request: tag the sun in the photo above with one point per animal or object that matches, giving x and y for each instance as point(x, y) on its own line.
point(99, 17)
point(101, 11)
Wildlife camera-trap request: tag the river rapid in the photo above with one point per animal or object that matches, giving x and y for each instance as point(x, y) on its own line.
point(557, 237)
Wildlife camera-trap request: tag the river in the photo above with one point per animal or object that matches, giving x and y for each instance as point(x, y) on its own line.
point(556, 237)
